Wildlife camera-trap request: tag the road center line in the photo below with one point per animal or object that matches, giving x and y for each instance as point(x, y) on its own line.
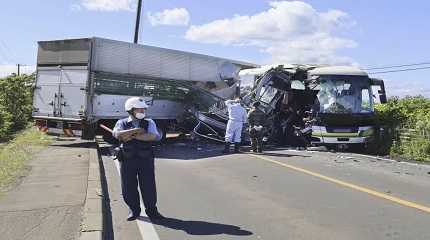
point(348, 185)
point(146, 228)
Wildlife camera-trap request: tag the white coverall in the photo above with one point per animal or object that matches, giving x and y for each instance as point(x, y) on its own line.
point(237, 116)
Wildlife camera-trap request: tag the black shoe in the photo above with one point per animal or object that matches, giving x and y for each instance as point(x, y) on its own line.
point(132, 216)
point(226, 148)
point(236, 147)
point(154, 214)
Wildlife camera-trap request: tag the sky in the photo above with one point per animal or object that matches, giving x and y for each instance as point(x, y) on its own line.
point(363, 33)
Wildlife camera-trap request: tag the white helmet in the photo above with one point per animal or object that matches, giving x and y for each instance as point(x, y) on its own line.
point(135, 102)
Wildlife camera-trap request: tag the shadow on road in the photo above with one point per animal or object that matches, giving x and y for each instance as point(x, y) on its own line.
point(199, 227)
point(179, 149)
point(281, 155)
point(75, 145)
point(187, 152)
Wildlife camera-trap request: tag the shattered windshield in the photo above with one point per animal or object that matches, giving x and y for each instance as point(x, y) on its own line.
point(345, 94)
point(267, 94)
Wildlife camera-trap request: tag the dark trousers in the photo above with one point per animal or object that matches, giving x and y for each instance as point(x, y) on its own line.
point(256, 138)
point(138, 168)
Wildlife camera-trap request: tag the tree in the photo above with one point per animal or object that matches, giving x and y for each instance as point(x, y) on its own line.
point(16, 98)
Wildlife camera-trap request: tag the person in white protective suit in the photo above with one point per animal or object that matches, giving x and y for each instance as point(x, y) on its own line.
point(237, 116)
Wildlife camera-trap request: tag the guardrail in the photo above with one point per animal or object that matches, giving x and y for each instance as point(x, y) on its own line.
point(411, 143)
point(408, 134)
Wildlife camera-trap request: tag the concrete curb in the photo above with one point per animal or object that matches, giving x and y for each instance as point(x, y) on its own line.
point(92, 223)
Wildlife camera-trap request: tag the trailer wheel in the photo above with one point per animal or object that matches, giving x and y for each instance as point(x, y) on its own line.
point(88, 131)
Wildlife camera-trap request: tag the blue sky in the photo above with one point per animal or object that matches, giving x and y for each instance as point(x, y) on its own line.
point(365, 33)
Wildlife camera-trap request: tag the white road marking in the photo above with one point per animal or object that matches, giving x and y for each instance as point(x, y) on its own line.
point(146, 228)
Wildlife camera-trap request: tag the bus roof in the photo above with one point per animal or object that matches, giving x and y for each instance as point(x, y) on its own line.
point(338, 70)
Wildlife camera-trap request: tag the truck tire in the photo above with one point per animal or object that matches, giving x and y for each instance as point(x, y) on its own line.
point(88, 131)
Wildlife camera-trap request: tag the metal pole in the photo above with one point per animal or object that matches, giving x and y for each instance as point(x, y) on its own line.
point(18, 68)
point(136, 30)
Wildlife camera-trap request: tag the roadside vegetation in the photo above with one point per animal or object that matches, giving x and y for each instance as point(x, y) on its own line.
point(407, 127)
point(18, 139)
point(15, 153)
point(16, 97)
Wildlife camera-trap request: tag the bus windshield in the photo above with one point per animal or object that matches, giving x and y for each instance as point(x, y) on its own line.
point(344, 94)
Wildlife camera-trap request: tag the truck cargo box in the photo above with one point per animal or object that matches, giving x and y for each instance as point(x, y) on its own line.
point(89, 79)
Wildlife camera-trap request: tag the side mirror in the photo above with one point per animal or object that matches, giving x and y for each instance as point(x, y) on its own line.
point(382, 94)
point(383, 98)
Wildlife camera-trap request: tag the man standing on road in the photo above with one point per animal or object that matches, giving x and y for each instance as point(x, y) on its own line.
point(135, 134)
point(256, 119)
point(236, 119)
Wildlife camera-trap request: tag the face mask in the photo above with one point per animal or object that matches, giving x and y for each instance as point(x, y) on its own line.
point(140, 115)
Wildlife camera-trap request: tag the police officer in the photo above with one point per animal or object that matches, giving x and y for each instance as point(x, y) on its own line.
point(135, 134)
point(256, 120)
point(236, 119)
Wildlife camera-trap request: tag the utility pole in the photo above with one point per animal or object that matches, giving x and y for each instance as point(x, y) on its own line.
point(18, 65)
point(136, 30)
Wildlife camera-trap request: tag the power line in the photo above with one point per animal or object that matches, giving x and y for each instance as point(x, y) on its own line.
point(10, 53)
point(401, 70)
point(4, 55)
point(398, 66)
point(19, 67)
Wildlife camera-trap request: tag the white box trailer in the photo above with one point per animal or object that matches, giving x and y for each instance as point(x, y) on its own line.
point(81, 82)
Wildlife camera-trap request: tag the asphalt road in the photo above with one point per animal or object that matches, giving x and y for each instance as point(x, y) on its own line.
point(282, 194)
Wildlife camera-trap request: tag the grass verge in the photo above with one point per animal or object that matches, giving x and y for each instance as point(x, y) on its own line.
point(16, 152)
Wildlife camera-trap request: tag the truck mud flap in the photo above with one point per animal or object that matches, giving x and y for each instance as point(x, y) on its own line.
point(59, 128)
